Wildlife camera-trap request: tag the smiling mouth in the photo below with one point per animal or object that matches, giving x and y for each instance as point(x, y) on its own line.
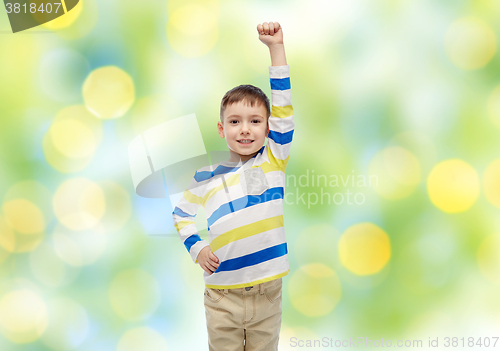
point(245, 141)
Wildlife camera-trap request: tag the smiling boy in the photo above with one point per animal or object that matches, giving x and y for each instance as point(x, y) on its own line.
point(243, 199)
point(243, 121)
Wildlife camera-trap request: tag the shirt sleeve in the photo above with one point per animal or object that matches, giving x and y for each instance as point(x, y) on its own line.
point(281, 124)
point(183, 216)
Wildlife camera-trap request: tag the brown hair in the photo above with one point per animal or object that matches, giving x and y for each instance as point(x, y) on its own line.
point(249, 93)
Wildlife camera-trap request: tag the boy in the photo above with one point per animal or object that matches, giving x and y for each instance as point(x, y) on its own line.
point(243, 199)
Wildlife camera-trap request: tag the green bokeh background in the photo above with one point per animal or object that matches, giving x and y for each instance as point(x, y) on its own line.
point(365, 75)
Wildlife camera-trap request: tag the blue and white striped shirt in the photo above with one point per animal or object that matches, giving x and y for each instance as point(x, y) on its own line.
point(243, 202)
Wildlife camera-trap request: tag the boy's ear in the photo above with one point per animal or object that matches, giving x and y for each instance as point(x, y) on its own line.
point(220, 129)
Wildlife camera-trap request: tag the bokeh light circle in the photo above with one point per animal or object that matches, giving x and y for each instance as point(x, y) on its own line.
point(24, 216)
point(72, 140)
point(314, 290)
point(68, 325)
point(142, 338)
point(397, 171)
point(7, 237)
point(470, 43)
point(134, 294)
point(79, 204)
point(26, 212)
point(60, 162)
point(364, 249)
point(488, 258)
point(453, 186)
point(108, 92)
point(192, 29)
point(13, 241)
point(23, 316)
point(491, 183)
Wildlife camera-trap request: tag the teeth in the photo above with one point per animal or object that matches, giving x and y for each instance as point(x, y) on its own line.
point(245, 141)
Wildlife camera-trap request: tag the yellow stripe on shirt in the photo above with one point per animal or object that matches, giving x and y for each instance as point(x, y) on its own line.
point(192, 198)
point(246, 231)
point(282, 111)
point(182, 224)
point(255, 282)
point(280, 164)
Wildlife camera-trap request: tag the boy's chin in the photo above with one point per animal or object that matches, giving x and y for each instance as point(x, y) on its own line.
point(247, 152)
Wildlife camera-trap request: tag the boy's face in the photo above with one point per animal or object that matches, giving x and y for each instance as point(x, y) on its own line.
point(244, 122)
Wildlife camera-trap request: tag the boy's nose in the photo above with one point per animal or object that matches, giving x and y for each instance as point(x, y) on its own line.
point(244, 128)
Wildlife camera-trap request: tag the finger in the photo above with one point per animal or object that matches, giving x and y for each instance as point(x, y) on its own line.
point(211, 268)
point(214, 264)
point(213, 257)
point(209, 264)
point(206, 269)
point(260, 29)
point(277, 27)
point(266, 27)
point(271, 28)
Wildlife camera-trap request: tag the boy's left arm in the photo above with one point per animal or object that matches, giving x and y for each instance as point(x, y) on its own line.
point(281, 123)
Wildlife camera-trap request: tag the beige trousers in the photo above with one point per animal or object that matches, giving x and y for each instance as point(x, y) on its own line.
point(244, 319)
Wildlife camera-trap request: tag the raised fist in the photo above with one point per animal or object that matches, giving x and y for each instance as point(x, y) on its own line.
point(270, 33)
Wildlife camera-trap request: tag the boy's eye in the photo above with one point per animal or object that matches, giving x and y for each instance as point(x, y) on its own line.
point(236, 121)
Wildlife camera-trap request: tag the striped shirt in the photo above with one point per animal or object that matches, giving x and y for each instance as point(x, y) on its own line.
point(243, 202)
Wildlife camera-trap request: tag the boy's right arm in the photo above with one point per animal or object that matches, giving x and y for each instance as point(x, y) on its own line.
point(183, 217)
point(281, 120)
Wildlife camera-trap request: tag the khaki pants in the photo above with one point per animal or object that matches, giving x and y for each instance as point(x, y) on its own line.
point(244, 319)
